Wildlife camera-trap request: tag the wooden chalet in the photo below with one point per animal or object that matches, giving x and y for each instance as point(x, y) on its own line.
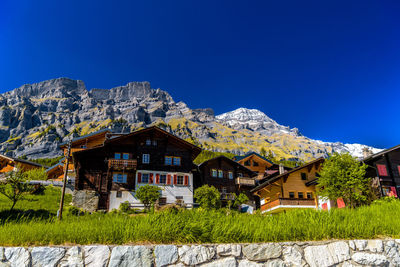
point(261, 165)
point(384, 167)
point(228, 176)
point(8, 164)
point(291, 189)
point(122, 164)
point(91, 140)
point(56, 172)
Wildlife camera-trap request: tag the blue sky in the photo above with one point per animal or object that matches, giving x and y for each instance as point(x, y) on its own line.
point(329, 68)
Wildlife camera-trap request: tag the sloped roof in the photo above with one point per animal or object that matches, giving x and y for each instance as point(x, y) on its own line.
point(232, 161)
point(273, 179)
point(22, 161)
point(238, 158)
point(381, 153)
point(85, 136)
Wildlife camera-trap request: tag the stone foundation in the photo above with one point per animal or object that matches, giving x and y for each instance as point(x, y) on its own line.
point(313, 254)
point(86, 200)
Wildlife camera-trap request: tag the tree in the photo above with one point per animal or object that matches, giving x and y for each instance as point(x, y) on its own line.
point(208, 197)
point(343, 176)
point(240, 199)
point(148, 195)
point(36, 174)
point(263, 152)
point(15, 187)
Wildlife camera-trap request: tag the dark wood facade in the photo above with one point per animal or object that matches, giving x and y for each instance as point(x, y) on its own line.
point(125, 155)
point(227, 176)
point(385, 168)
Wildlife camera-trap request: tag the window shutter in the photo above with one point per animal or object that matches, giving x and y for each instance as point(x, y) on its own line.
point(169, 179)
point(382, 170)
point(157, 178)
point(398, 168)
point(175, 178)
point(186, 180)
point(139, 177)
point(151, 178)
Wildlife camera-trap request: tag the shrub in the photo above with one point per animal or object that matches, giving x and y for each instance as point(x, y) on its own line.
point(125, 206)
point(208, 197)
point(74, 211)
point(240, 199)
point(14, 187)
point(148, 195)
point(36, 174)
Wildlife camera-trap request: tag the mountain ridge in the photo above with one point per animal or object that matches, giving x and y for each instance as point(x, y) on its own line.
point(35, 118)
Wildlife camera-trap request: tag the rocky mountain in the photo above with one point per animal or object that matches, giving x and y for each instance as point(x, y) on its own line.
point(36, 118)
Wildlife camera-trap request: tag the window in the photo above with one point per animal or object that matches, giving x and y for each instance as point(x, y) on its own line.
point(148, 142)
point(230, 175)
point(120, 178)
point(381, 170)
point(179, 197)
point(145, 178)
point(291, 194)
point(119, 194)
point(303, 176)
point(240, 174)
point(117, 155)
point(177, 161)
point(309, 195)
point(146, 158)
point(220, 174)
point(247, 163)
point(168, 160)
point(300, 194)
point(125, 156)
point(154, 142)
point(83, 146)
point(223, 190)
point(255, 163)
point(214, 173)
point(180, 180)
point(163, 179)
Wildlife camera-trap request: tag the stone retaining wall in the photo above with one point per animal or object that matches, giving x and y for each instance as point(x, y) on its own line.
point(332, 253)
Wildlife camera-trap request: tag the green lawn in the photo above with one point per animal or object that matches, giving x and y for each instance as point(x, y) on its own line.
point(200, 226)
point(49, 201)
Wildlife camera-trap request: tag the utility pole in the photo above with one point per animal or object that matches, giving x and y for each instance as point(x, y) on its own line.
point(64, 182)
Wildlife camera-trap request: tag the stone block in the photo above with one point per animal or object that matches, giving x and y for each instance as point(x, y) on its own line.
point(17, 256)
point(370, 259)
point(229, 250)
point(96, 256)
point(165, 255)
point(126, 256)
point(223, 262)
point(192, 255)
point(262, 252)
point(46, 256)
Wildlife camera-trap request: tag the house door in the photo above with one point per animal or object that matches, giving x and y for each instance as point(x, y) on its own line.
point(103, 201)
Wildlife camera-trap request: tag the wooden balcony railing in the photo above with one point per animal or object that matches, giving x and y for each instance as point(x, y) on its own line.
point(122, 163)
point(245, 181)
point(289, 202)
point(227, 196)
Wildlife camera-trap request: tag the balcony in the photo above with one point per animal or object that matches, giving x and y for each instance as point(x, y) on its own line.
point(227, 196)
point(282, 204)
point(127, 164)
point(245, 181)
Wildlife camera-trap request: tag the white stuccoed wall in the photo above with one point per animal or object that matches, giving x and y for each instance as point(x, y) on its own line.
point(168, 191)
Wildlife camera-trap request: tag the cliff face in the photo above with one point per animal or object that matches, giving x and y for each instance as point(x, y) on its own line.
point(36, 118)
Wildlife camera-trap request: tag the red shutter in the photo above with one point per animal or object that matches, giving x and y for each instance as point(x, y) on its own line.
point(169, 179)
point(398, 168)
point(151, 178)
point(175, 179)
point(340, 203)
point(157, 178)
point(186, 180)
point(139, 177)
point(382, 170)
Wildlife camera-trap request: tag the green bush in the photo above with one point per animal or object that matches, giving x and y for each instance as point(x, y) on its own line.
point(125, 206)
point(208, 197)
point(74, 211)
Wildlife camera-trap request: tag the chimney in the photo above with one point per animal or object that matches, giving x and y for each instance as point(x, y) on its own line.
point(281, 169)
point(366, 152)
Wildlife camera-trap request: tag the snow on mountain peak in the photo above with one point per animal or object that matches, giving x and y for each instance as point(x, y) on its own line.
point(245, 115)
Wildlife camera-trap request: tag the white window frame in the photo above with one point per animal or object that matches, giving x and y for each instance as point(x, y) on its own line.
point(214, 173)
point(230, 175)
point(146, 158)
point(180, 177)
point(220, 174)
point(165, 181)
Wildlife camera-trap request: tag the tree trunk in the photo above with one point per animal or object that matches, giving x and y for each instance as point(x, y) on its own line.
point(12, 207)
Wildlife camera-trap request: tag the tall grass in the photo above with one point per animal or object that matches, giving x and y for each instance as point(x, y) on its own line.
point(200, 226)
